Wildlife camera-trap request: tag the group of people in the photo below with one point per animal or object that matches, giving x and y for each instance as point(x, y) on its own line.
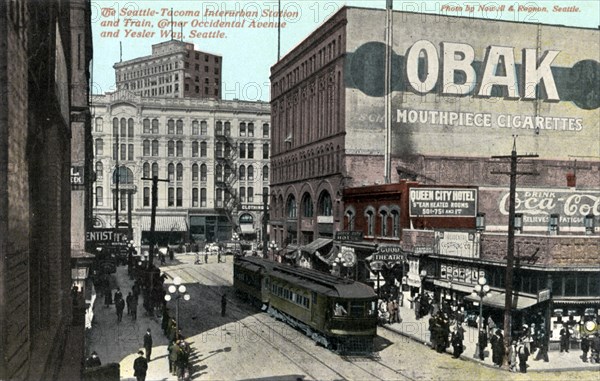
point(179, 350)
point(389, 311)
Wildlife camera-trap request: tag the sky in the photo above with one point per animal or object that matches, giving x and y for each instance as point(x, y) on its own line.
point(128, 29)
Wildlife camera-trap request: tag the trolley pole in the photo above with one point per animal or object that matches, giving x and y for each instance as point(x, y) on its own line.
point(511, 239)
point(155, 181)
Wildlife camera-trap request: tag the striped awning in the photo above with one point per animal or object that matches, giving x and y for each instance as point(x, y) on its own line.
point(247, 229)
point(165, 223)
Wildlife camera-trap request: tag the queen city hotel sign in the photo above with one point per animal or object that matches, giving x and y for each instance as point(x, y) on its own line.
point(443, 202)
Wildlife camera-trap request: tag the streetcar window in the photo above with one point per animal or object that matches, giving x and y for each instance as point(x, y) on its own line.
point(314, 298)
point(372, 308)
point(357, 309)
point(340, 309)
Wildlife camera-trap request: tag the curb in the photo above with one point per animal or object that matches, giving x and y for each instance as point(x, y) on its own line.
point(469, 358)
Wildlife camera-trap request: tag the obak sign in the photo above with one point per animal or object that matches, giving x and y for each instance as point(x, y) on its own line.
point(107, 237)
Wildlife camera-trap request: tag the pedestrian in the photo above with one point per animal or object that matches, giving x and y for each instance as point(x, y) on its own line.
point(134, 305)
point(397, 312)
point(118, 295)
point(512, 356)
point(135, 290)
point(482, 344)
point(523, 354)
point(585, 347)
point(161, 256)
point(565, 338)
point(120, 306)
point(219, 256)
point(390, 308)
point(148, 344)
point(457, 342)
point(107, 296)
point(417, 302)
point(174, 357)
point(93, 360)
point(129, 301)
point(401, 299)
point(223, 304)
point(206, 257)
point(497, 342)
point(491, 326)
point(140, 367)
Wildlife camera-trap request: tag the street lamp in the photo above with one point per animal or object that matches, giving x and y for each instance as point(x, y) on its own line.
point(178, 291)
point(423, 275)
point(481, 289)
point(272, 247)
point(337, 264)
point(236, 239)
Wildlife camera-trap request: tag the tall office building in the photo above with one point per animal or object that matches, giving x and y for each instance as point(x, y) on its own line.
point(173, 70)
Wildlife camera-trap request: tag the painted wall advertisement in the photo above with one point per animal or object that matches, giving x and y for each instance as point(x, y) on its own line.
point(443, 202)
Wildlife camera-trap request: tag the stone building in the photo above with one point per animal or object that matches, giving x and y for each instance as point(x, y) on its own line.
point(213, 154)
point(173, 70)
point(37, 80)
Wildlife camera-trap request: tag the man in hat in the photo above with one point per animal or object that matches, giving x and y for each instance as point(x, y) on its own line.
point(148, 344)
point(140, 367)
point(93, 360)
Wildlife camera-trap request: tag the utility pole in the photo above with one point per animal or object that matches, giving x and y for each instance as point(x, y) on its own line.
point(155, 181)
point(389, 25)
point(265, 222)
point(510, 255)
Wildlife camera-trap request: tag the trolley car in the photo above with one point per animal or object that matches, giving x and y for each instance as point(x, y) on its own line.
point(338, 313)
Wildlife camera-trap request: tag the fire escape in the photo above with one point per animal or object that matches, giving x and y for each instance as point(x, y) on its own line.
point(226, 176)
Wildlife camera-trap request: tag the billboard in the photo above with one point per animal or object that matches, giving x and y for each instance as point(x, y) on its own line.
point(442, 202)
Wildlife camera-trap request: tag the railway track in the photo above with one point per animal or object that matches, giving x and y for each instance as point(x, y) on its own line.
point(301, 356)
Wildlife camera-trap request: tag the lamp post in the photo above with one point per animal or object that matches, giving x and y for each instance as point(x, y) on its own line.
point(236, 239)
point(481, 289)
point(423, 275)
point(337, 264)
point(272, 247)
point(178, 291)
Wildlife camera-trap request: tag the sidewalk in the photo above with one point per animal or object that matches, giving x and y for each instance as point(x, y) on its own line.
point(419, 330)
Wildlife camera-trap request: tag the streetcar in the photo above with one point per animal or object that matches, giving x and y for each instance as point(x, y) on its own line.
point(338, 313)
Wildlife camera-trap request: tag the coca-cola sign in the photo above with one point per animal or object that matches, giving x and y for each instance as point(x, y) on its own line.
point(537, 205)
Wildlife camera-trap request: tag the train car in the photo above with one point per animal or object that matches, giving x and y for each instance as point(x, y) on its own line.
point(338, 313)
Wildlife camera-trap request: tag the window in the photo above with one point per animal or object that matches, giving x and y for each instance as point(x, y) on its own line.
point(171, 127)
point(130, 152)
point(242, 172)
point(250, 151)
point(99, 196)
point(146, 170)
point(99, 125)
point(195, 128)
point(395, 223)
point(171, 197)
point(291, 207)
point(203, 197)
point(325, 204)
point(179, 197)
point(250, 129)
point(203, 128)
point(146, 124)
point(179, 172)
point(123, 127)
point(219, 172)
point(171, 148)
point(219, 128)
point(154, 169)
point(123, 151)
point(349, 220)
point(265, 130)
point(155, 148)
point(242, 194)
point(227, 131)
point(195, 197)
point(155, 126)
point(250, 173)
point(219, 150)
point(265, 173)
point(194, 149)
point(115, 152)
point(179, 127)
point(242, 150)
point(307, 206)
point(171, 172)
point(146, 147)
point(219, 197)
point(115, 127)
point(99, 170)
point(370, 216)
point(227, 151)
point(384, 223)
point(146, 196)
point(203, 170)
point(227, 172)
point(130, 128)
point(203, 149)
point(195, 172)
point(250, 194)
point(242, 129)
point(265, 151)
point(99, 147)
point(179, 148)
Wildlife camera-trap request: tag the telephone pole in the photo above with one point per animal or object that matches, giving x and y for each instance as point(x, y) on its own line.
point(511, 237)
point(155, 181)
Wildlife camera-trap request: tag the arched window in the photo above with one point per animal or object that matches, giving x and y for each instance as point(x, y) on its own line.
point(395, 214)
point(242, 194)
point(179, 172)
point(307, 205)
point(194, 149)
point(195, 129)
point(203, 197)
point(155, 126)
point(179, 148)
point(242, 174)
point(203, 149)
point(265, 130)
point(171, 148)
point(370, 217)
point(250, 194)
point(130, 128)
point(179, 127)
point(146, 126)
point(171, 127)
point(123, 127)
point(115, 127)
point(99, 196)
point(203, 128)
point(242, 147)
point(195, 172)
point(219, 128)
point(195, 197)
point(99, 147)
point(250, 173)
point(99, 170)
point(155, 148)
point(349, 218)
point(146, 170)
point(171, 172)
point(250, 151)
point(291, 207)
point(227, 129)
point(203, 170)
point(219, 172)
point(325, 208)
point(265, 173)
point(154, 169)
point(219, 150)
point(383, 214)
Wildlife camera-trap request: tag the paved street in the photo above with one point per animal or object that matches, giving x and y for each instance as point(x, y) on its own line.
point(249, 345)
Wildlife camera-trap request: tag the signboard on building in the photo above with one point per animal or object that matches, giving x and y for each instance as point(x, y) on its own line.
point(460, 273)
point(458, 244)
point(76, 175)
point(256, 207)
point(349, 235)
point(107, 238)
point(544, 295)
point(443, 202)
point(324, 219)
point(389, 254)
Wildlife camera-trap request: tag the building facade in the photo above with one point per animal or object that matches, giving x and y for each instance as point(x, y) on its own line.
point(173, 70)
point(211, 157)
point(36, 77)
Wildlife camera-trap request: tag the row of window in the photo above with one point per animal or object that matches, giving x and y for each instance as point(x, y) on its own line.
point(324, 205)
point(389, 221)
point(285, 293)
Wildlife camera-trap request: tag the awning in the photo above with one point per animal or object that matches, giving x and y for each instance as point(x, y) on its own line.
point(165, 223)
point(496, 300)
point(247, 229)
point(316, 245)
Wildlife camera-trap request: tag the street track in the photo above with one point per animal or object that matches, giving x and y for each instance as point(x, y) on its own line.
point(302, 356)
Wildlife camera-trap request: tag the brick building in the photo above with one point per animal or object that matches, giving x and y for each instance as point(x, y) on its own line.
point(36, 65)
point(173, 70)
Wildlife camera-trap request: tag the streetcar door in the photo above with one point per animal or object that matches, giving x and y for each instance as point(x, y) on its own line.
point(313, 307)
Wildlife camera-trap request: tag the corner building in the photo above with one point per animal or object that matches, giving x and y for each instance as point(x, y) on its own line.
point(212, 154)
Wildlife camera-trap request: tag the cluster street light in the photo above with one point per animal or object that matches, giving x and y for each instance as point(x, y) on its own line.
point(178, 291)
point(481, 289)
point(236, 239)
point(273, 248)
